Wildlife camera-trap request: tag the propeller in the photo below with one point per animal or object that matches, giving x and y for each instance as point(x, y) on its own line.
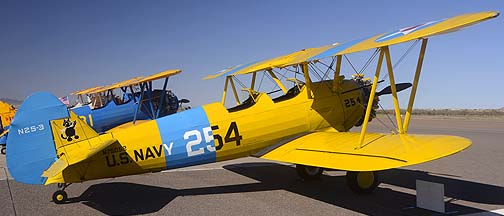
point(388, 89)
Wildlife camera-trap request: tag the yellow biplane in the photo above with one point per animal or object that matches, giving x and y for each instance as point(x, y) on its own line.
point(308, 125)
point(7, 112)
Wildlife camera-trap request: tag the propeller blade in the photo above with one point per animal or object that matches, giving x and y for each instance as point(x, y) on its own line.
point(399, 87)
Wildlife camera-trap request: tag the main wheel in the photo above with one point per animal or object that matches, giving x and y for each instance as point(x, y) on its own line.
point(362, 182)
point(309, 172)
point(4, 150)
point(59, 197)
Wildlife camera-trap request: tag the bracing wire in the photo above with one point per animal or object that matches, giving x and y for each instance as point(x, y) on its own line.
point(329, 67)
point(260, 83)
point(348, 60)
point(385, 125)
point(315, 71)
point(239, 82)
point(390, 119)
point(402, 57)
point(406, 53)
point(293, 71)
point(370, 59)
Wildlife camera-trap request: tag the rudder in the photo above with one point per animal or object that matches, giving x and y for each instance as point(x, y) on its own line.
point(30, 142)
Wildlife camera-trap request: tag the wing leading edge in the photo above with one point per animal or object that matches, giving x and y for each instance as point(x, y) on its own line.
point(415, 32)
point(337, 150)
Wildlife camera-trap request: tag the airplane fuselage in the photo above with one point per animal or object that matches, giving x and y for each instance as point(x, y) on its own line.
point(212, 133)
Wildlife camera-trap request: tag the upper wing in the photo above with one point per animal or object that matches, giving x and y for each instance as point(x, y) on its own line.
point(424, 30)
point(129, 82)
point(86, 91)
point(160, 75)
point(337, 150)
point(281, 61)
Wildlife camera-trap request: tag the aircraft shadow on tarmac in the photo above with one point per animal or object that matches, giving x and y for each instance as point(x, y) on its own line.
point(122, 198)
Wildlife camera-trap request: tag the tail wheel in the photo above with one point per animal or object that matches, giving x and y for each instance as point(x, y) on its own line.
point(59, 197)
point(309, 172)
point(4, 150)
point(362, 182)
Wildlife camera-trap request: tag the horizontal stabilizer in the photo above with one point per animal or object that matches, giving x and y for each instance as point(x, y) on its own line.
point(338, 150)
point(85, 143)
point(74, 153)
point(55, 168)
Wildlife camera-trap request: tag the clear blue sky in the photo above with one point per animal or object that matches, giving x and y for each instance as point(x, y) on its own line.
point(63, 46)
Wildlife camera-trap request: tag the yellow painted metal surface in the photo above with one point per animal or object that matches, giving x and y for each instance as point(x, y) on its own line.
point(82, 145)
point(337, 72)
point(126, 126)
point(277, 62)
point(310, 126)
point(7, 113)
point(415, 85)
point(128, 82)
point(277, 81)
point(160, 75)
point(86, 91)
point(268, 122)
point(379, 151)
point(312, 54)
point(390, 69)
point(112, 154)
point(124, 83)
point(370, 101)
point(445, 26)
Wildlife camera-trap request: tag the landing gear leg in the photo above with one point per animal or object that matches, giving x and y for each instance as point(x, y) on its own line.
point(362, 182)
point(309, 172)
point(60, 196)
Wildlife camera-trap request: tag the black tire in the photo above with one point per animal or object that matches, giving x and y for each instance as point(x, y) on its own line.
point(309, 172)
point(4, 150)
point(59, 197)
point(362, 182)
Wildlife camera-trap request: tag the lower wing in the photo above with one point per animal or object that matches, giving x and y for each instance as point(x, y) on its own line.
point(340, 150)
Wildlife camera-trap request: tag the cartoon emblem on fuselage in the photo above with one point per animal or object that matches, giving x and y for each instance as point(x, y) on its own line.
point(69, 130)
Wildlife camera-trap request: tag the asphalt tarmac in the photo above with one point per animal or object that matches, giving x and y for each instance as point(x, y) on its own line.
point(473, 181)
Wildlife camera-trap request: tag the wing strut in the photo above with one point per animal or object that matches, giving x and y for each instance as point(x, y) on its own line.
point(394, 90)
point(277, 81)
point(371, 99)
point(306, 73)
point(402, 128)
point(234, 90)
point(415, 84)
point(223, 100)
point(337, 73)
point(162, 99)
point(252, 85)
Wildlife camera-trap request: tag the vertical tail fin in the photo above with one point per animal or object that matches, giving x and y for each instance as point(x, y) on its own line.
point(45, 138)
point(30, 142)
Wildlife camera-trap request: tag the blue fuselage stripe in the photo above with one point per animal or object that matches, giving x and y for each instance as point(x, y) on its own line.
point(187, 138)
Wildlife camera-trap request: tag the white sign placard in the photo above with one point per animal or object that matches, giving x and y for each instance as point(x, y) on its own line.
point(430, 195)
